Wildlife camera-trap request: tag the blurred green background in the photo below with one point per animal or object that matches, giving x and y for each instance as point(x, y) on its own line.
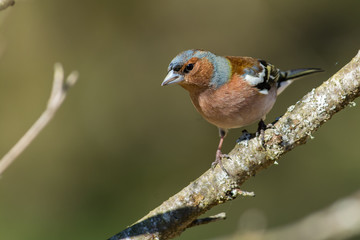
point(121, 145)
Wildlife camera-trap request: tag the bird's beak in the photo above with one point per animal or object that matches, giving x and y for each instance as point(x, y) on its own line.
point(172, 77)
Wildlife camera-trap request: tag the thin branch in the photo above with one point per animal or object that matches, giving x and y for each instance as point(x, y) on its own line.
point(58, 94)
point(201, 221)
point(339, 221)
point(6, 3)
point(248, 157)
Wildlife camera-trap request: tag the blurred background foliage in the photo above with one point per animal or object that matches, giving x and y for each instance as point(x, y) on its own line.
point(121, 144)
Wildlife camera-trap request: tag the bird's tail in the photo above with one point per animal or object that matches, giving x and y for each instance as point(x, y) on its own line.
point(287, 77)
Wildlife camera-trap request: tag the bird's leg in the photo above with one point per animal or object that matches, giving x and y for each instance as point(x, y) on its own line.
point(261, 129)
point(246, 136)
point(261, 132)
point(219, 154)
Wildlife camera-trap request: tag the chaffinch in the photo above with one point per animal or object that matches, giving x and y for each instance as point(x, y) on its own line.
point(230, 92)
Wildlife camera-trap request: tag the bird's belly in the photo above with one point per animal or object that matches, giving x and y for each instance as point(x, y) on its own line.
point(234, 111)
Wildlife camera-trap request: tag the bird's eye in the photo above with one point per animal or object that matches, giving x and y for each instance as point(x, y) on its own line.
point(189, 67)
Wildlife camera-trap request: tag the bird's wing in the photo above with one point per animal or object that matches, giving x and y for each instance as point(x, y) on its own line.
point(258, 73)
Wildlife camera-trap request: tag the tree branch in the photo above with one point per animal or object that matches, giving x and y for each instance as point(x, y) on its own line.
point(341, 220)
point(248, 157)
point(6, 3)
point(201, 221)
point(58, 94)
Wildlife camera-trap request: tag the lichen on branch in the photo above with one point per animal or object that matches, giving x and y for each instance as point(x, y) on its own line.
point(248, 157)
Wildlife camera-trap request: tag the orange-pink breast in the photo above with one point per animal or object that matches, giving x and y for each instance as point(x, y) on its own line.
point(234, 104)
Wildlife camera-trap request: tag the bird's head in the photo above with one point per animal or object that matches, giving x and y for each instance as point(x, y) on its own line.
point(198, 68)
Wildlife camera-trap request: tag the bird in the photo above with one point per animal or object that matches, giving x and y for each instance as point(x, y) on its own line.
point(230, 91)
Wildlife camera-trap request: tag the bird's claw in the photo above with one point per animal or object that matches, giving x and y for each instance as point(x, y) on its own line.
point(218, 160)
point(261, 131)
point(246, 136)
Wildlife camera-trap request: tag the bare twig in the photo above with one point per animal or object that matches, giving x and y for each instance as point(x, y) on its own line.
point(6, 3)
point(58, 94)
point(245, 193)
point(201, 221)
point(341, 220)
point(248, 157)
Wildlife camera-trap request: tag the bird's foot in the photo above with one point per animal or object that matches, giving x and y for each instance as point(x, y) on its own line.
point(261, 132)
point(246, 136)
point(218, 160)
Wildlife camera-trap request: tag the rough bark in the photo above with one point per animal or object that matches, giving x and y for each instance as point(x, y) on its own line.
point(248, 157)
